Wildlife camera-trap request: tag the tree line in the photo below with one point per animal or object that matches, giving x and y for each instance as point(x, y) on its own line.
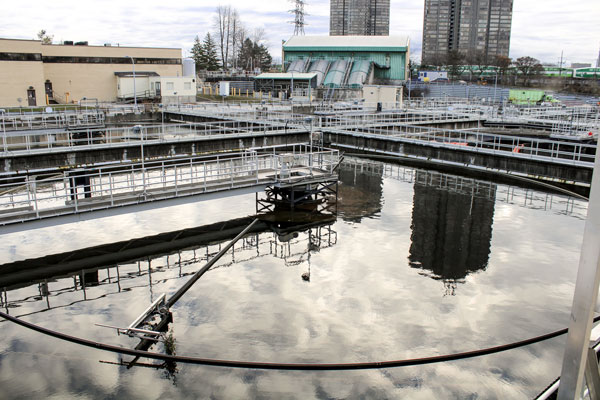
point(457, 62)
point(231, 46)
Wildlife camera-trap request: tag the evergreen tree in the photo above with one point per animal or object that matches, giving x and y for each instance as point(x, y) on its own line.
point(265, 59)
point(198, 54)
point(252, 55)
point(211, 59)
point(246, 55)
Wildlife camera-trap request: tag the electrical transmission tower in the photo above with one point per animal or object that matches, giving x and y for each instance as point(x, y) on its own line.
point(299, 15)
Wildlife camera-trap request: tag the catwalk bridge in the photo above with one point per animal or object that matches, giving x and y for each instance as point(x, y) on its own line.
point(57, 197)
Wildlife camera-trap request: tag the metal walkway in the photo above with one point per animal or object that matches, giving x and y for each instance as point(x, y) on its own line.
point(403, 125)
point(68, 119)
point(518, 147)
point(47, 141)
point(110, 188)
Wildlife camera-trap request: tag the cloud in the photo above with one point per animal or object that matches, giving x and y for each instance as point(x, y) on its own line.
point(541, 28)
point(363, 303)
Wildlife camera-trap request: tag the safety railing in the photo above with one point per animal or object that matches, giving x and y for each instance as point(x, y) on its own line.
point(389, 118)
point(213, 74)
point(112, 109)
point(573, 153)
point(571, 120)
point(16, 121)
point(438, 102)
point(112, 186)
point(217, 107)
point(268, 115)
point(18, 142)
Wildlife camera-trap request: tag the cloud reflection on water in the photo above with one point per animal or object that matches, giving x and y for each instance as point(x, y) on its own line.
point(364, 302)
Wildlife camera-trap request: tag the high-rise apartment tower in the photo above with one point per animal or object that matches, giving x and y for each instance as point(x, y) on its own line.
point(469, 26)
point(359, 17)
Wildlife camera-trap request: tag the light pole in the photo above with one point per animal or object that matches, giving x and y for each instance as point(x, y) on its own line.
point(134, 91)
point(292, 88)
point(2, 112)
point(162, 119)
point(309, 121)
point(495, 85)
point(141, 129)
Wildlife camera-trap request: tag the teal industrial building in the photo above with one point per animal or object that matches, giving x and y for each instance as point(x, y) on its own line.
point(348, 61)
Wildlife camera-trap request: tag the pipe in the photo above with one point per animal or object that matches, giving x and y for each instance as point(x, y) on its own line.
point(169, 303)
point(286, 366)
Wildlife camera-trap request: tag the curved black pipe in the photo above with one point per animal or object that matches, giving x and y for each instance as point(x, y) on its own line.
point(287, 366)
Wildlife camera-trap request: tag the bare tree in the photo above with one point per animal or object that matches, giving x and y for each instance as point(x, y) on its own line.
point(238, 33)
point(503, 63)
point(230, 33)
point(528, 67)
point(242, 33)
point(454, 63)
point(259, 35)
point(478, 59)
point(222, 24)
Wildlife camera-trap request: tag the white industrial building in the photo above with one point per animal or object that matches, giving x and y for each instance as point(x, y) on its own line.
point(149, 85)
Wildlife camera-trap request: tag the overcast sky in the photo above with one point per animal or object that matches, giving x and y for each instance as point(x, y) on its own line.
point(541, 28)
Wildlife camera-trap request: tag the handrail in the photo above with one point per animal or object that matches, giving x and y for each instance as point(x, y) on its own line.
point(112, 186)
point(513, 146)
point(16, 142)
point(48, 120)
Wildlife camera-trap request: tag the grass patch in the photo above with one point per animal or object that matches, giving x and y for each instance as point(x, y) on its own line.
point(170, 345)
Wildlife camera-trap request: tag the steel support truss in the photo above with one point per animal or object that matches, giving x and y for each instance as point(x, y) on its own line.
point(314, 196)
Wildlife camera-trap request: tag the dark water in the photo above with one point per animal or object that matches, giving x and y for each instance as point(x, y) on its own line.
point(416, 264)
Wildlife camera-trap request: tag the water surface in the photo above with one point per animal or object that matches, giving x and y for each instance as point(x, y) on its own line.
point(416, 264)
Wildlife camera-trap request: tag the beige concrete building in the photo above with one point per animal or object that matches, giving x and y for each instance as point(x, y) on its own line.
point(30, 70)
point(383, 94)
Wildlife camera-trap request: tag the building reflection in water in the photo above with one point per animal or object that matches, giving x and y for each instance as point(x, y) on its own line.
point(360, 190)
point(451, 226)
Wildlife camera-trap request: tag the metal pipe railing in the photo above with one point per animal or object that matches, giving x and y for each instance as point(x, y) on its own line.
point(28, 142)
point(108, 186)
point(515, 146)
